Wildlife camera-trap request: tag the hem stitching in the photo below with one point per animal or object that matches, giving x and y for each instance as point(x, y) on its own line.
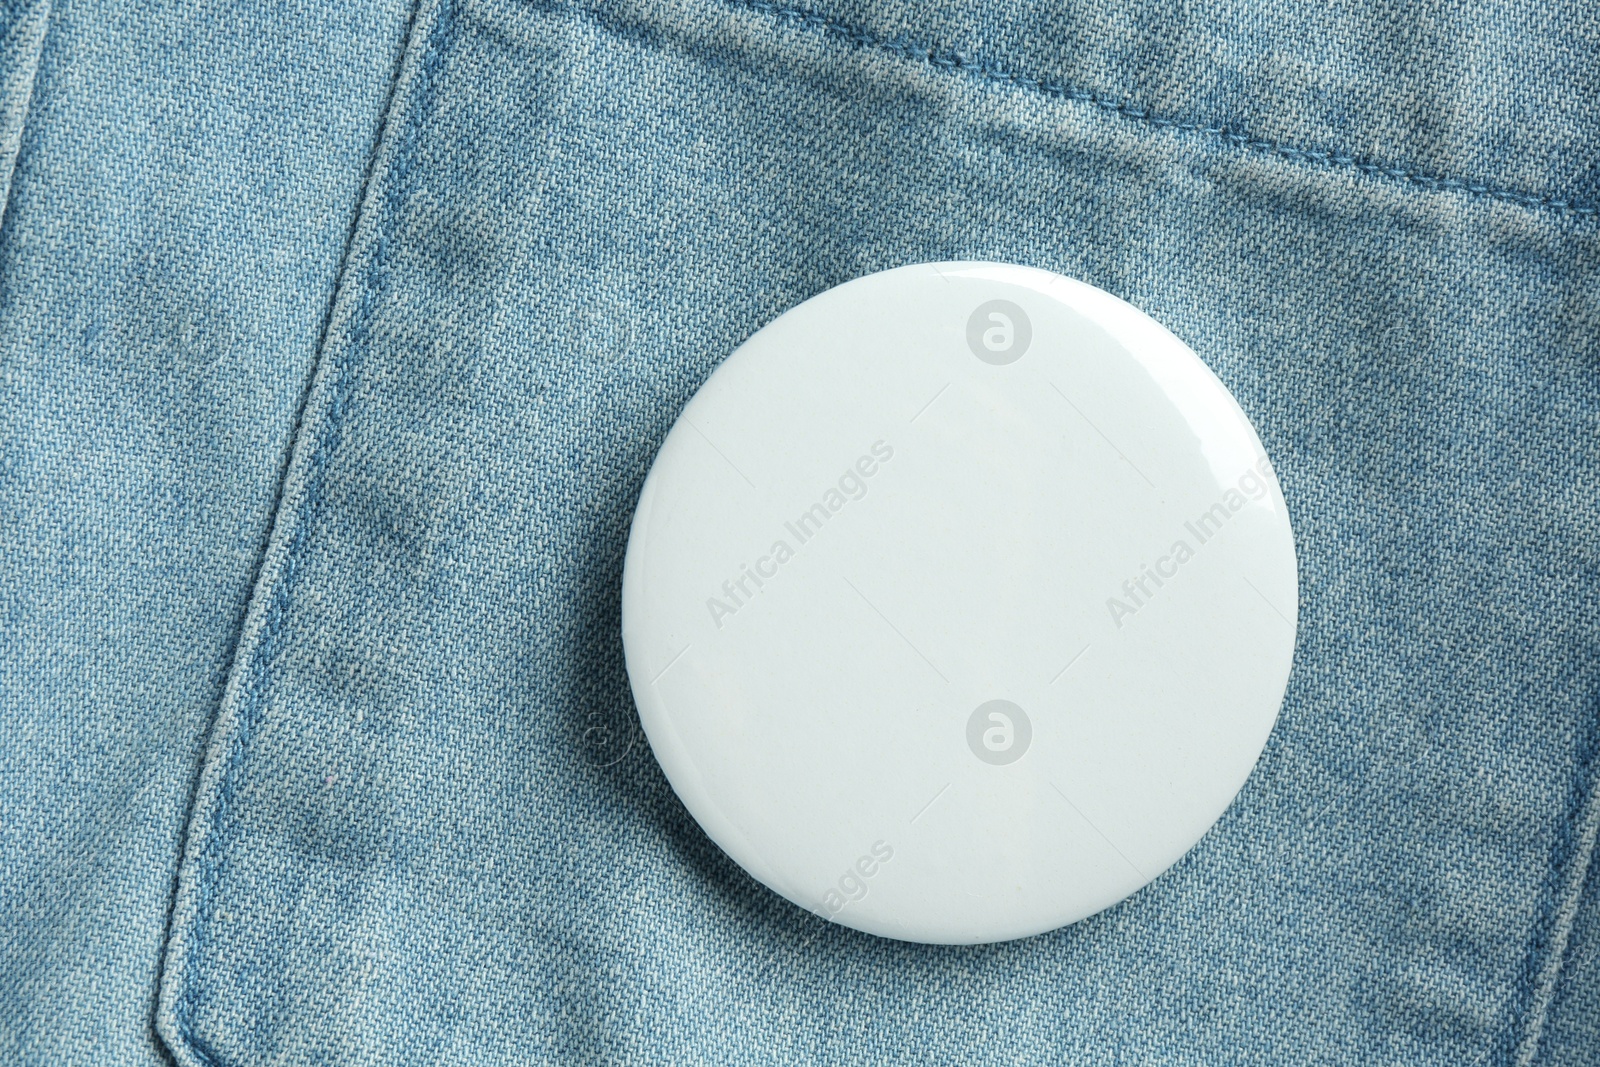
point(990, 73)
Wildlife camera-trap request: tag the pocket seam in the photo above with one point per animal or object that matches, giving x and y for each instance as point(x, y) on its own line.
point(323, 410)
point(989, 73)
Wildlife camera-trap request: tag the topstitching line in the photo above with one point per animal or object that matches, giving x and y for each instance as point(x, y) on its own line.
point(991, 73)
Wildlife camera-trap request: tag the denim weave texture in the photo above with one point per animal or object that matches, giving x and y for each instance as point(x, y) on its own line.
point(337, 341)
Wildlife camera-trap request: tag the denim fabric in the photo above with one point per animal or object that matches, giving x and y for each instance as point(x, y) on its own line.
point(22, 27)
point(424, 825)
point(1571, 1031)
point(184, 190)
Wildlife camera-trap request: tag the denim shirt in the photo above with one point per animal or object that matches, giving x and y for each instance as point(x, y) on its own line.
point(336, 341)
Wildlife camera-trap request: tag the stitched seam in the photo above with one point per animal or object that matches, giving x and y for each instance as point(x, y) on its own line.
point(257, 669)
point(1575, 848)
point(989, 73)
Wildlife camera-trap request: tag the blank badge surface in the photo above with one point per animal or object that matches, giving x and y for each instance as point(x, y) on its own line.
point(959, 602)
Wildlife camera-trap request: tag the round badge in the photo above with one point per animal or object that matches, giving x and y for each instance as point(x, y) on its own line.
point(959, 602)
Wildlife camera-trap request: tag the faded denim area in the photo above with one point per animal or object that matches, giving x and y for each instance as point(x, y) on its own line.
point(186, 179)
point(426, 828)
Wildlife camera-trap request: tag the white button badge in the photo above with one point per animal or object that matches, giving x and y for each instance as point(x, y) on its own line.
point(959, 602)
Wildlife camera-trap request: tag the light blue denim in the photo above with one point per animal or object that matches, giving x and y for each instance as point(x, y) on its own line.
point(336, 342)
